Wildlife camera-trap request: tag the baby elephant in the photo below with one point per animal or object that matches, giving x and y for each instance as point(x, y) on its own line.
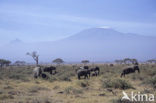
point(129, 70)
point(44, 76)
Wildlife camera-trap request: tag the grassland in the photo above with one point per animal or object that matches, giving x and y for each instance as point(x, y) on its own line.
point(17, 85)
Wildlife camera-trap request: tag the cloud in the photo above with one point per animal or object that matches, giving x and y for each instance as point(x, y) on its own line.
point(69, 21)
point(69, 18)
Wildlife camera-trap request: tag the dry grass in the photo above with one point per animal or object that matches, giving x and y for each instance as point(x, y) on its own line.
point(18, 86)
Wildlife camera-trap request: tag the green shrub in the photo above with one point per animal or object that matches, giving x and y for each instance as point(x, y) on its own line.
point(8, 87)
point(151, 81)
point(18, 77)
point(71, 90)
point(116, 83)
point(35, 89)
point(137, 77)
point(41, 100)
point(15, 73)
point(64, 78)
point(64, 75)
point(3, 97)
point(52, 79)
point(1, 91)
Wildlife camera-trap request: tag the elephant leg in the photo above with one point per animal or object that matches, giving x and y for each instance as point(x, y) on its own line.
point(98, 72)
point(51, 72)
point(95, 73)
point(87, 76)
point(121, 75)
point(79, 77)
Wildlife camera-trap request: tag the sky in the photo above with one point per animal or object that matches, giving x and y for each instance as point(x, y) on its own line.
point(50, 20)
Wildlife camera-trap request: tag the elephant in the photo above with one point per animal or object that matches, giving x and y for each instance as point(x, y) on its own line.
point(129, 70)
point(50, 69)
point(37, 71)
point(83, 72)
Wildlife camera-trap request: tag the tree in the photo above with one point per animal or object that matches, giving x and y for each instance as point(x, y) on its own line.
point(127, 61)
point(85, 61)
point(34, 55)
point(134, 61)
point(151, 61)
point(4, 62)
point(7, 62)
point(58, 61)
point(119, 61)
point(130, 61)
point(18, 63)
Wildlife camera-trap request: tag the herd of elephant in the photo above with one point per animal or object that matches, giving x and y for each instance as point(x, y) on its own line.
point(84, 71)
point(40, 71)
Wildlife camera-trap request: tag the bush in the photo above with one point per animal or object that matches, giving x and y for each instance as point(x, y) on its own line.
point(137, 77)
point(83, 84)
point(35, 89)
point(16, 73)
point(41, 100)
point(18, 77)
point(117, 84)
point(8, 87)
point(151, 81)
point(3, 97)
point(52, 79)
point(64, 78)
point(1, 91)
point(64, 73)
point(71, 90)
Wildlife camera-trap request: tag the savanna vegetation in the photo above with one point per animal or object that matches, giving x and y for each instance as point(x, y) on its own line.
point(17, 84)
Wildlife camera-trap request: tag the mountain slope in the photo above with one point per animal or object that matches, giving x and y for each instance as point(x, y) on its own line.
point(96, 44)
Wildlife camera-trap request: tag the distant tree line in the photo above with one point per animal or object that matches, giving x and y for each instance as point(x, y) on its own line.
point(85, 61)
point(20, 63)
point(4, 62)
point(127, 61)
point(58, 61)
point(151, 61)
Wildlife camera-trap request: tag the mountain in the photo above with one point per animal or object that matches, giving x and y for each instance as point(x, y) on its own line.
point(108, 44)
point(16, 41)
point(95, 34)
point(95, 44)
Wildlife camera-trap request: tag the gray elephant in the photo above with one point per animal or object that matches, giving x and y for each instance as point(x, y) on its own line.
point(129, 70)
point(83, 72)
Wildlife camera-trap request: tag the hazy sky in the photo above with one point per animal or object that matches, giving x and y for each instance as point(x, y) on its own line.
point(42, 20)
